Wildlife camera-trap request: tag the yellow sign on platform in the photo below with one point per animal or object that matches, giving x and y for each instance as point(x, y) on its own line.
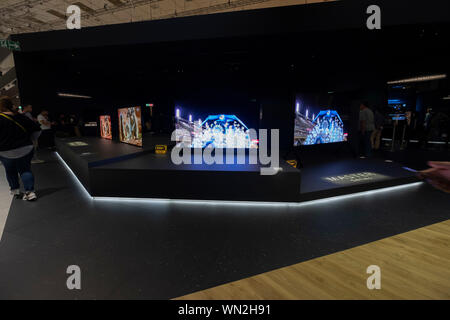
point(161, 149)
point(292, 163)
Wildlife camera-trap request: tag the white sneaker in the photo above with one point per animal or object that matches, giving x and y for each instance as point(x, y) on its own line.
point(29, 196)
point(15, 192)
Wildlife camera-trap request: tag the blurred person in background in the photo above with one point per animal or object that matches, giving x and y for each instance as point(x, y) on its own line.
point(47, 139)
point(63, 128)
point(375, 138)
point(438, 125)
point(74, 124)
point(17, 133)
point(428, 115)
point(366, 127)
point(27, 111)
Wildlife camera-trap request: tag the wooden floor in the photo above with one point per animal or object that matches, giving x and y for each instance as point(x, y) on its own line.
point(414, 265)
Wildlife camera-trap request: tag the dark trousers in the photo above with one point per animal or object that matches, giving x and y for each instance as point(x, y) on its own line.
point(365, 143)
point(19, 167)
point(47, 139)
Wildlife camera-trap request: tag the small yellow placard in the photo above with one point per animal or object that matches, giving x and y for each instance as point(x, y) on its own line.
point(292, 163)
point(161, 149)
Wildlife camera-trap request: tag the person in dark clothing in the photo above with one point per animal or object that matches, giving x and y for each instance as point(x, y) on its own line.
point(375, 138)
point(17, 133)
point(27, 111)
point(366, 127)
point(47, 138)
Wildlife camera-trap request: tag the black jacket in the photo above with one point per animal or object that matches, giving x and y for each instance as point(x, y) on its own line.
point(12, 136)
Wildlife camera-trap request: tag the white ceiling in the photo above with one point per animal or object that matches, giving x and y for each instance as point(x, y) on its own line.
point(23, 16)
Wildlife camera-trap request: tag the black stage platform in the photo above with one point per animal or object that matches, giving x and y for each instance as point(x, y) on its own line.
point(112, 169)
point(155, 176)
point(348, 176)
point(82, 154)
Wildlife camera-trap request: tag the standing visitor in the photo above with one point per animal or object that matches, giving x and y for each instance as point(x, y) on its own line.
point(46, 140)
point(17, 133)
point(366, 127)
point(375, 138)
point(428, 116)
point(28, 112)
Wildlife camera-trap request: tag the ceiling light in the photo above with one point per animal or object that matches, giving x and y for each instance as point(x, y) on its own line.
point(70, 95)
point(419, 79)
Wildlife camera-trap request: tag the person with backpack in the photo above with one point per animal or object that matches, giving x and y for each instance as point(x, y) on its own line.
point(17, 133)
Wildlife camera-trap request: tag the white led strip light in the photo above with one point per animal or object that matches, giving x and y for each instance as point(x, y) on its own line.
point(419, 79)
point(70, 95)
point(85, 192)
point(238, 203)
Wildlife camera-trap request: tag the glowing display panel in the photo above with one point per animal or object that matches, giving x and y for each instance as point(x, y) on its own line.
point(316, 125)
point(216, 131)
point(130, 126)
point(105, 127)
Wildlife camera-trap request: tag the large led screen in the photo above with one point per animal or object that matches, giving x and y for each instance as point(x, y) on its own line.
point(215, 130)
point(105, 127)
point(130, 126)
point(316, 125)
point(217, 118)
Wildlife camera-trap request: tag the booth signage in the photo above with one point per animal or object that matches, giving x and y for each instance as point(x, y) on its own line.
point(9, 44)
point(292, 163)
point(355, 178)
point(161, 149)
point(77, 144)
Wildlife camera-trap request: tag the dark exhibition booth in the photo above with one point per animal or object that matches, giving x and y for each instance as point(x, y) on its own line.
point(197, 151)
point(216, 77)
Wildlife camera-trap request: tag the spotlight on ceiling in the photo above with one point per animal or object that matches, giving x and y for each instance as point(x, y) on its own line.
point(70, 95)
point(419, 79)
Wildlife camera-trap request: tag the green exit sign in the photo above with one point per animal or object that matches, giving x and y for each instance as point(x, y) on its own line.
point(9, 44)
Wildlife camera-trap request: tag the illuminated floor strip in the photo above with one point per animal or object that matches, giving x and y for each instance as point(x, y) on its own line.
point(238, 203)
point(259, 203)
point(85, 192)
